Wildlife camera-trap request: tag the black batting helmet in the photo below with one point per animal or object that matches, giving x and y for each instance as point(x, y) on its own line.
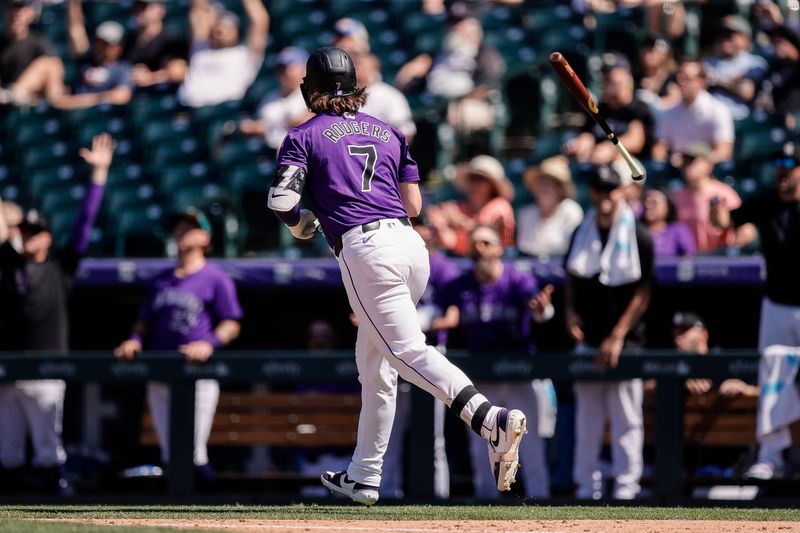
point(329, 70)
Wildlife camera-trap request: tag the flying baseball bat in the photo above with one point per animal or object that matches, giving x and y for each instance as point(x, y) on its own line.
point(579, 92)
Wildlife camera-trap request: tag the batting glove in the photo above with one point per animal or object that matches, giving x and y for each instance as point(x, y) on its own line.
point(307, 226)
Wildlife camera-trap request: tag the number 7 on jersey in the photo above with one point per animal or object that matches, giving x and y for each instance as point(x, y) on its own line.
point(369, 165)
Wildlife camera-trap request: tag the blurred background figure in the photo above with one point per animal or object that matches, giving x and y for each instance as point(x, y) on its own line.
point(351, 36)
point(283, 108)
point(157, 53)
point(628, 117)
point(384, 102)
point(29, 66)
point(544, 227)
point(671, 237)
point(221, 68)
point(780, 92)
point(35, 285)
point(656, 85)
point(322, 336)
point(488, 202)
point(698, 118)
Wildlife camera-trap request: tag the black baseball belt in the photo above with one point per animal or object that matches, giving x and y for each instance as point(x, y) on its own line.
point(369, 226)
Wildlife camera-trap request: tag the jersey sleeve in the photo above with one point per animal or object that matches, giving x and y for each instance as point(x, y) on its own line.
point(447, 294)
point(226, 302)
point(525, 287)
point(409, 173)
point(293, 151)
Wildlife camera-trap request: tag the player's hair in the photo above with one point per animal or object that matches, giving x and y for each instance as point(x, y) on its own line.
point(338, 105)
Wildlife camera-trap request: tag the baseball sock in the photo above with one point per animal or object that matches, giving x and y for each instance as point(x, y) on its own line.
point(474, 409)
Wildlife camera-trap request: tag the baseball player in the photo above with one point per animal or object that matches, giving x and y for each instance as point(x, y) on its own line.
point(357, 172)
point(776, 214)
point(493, 304)
point(194, 309)
point(34, 289)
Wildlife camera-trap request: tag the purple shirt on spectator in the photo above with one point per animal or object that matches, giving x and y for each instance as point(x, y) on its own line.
point(182, 310)
point(443, 271)
point(494, 317)
point(675, 240)
point(353, 165)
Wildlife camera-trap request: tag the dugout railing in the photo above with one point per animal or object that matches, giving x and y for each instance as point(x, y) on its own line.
point(668, 368)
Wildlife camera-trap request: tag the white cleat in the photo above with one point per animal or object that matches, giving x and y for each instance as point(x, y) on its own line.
point(504, 446)
point(358, 492)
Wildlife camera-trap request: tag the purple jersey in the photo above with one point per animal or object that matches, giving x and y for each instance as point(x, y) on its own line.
point(443, 271)
point(494, 317)
point(181, 310)
point(354, 164)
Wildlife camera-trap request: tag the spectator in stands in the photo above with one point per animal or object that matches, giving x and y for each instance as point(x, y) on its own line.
point(493, 304)
point(29, 66)
point(351, 36)
point(34, 287)
point(14, 216)
point(671, 237)
point(284, 108)
point(690, 335)
point(656, 83)
point(628, 117)
point(383, 101)
point(321, 336)
point(193, 309)
point(105, 77)
point(544, 228)
point(488, 202)
point(466, 71)
point(221, 68)
point(609, 269)
point(781, 89)
point(776, 214)
point(734, 73)
point(698, 118)
point(694, 200)
point(158, 54)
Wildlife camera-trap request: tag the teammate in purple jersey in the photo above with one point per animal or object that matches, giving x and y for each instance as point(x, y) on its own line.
point(363, 184)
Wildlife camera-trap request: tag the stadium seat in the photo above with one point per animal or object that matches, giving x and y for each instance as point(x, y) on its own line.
point(129, 196)
point(63, 197)
point(140, 232)
point(176, 151)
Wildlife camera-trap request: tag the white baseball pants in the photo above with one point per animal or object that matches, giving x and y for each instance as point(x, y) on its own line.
point(385, 272)
point(531, 453)
point(780, 324)
point(34, 407)
point(206, 396)
point(621, 403)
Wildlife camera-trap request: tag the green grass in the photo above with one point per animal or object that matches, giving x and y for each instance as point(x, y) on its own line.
point(422, 512)
point(19, 526)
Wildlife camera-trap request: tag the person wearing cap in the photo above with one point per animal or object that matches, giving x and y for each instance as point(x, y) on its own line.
point(221, 68)
point(284, 108)
point(34, 287)
point(610, 269)
point(158, 54)
point(734, 73)
point(105, 77)
point(493, 304)
point(29, 65)
point(544, 228)
point(630, 119)
point(697, 118)
point(671, 237)
point(655, 83)
point(776, 215)
point(383, 101)
point(693, 201)
point(193, 309)
point(351, 36)
point(488, 202)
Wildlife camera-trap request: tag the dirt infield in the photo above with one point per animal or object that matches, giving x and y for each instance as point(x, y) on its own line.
point(465, 526)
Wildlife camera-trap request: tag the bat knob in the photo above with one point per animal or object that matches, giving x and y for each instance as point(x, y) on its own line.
point(556, 57)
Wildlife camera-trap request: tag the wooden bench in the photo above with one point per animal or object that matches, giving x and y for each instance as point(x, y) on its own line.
point(278, 419)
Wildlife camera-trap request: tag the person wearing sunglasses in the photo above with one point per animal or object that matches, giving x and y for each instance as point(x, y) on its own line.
point(776, 214)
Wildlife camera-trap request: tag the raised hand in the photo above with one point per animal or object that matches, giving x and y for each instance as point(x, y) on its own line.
point(101, 153)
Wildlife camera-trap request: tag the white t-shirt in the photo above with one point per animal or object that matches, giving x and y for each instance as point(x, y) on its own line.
point(218, 75)
point(386, 103)
point(278, 113)
point(549, 237)
point(706, 120)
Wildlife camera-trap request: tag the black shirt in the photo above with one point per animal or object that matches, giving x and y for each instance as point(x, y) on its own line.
point(156, 53)
point(778, 226)
point(34, 300)
point(16, 56)
point(620, 119)
point(600, 307)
